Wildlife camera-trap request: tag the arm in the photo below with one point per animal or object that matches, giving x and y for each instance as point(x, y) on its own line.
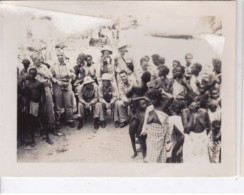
point(94, 100)
point(115, 94)
point(208, 122)
point(187, 85)
point(80, 95)
point(100, 95)
point(186, 124)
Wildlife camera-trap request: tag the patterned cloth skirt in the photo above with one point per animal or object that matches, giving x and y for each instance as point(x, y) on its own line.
point(195, 148)
point(214, 150)
point(156, 143)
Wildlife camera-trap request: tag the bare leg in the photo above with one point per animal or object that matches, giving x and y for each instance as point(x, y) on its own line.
point(132, 129)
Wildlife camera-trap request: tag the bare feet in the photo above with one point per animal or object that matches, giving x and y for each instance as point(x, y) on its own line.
point(134, 155)
point(49, 141)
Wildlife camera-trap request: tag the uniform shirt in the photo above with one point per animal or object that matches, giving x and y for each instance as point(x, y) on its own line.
point(109, 68)
point(124, 89)
point(122, 64)
point(88, 96)
point(62, 71)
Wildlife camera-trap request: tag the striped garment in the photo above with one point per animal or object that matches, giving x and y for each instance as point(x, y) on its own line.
point(156, 143)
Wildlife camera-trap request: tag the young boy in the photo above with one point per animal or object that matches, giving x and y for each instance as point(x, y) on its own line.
point(34, 92)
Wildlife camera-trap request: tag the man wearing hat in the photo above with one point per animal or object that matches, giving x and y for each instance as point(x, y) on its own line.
point(124, 62)
point(62, 89)
point(106, 62)
point(90, 68)
point(108, 95)
point(88, 97)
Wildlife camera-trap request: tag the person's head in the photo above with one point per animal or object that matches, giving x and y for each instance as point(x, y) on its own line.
point(163, 71)
point(123, 76)
point(216, 125)
point(194, 106)
point(217, 65)
point(161, 61)
point(106, 83)
point(80, 59)
point(144, 64)
point(142, 104)
point(89, 85)
point(155, 95)
point(26, 63)
point(215, 93)
point(32, 73)
point(176, 63)
point(37, 58)
point(106, 79)
point(202, 88)
point(196, 68)
point(146, 77)
point(188, 58)
point(178, 71)
point(89, 61)
point(212, 105)
point(122, 49)
point(61, 57)
point(155, 59)
point(178, 105)
point(147, 58)
point(106, 52)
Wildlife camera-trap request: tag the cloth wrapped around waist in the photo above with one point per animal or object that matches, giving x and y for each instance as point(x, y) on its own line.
point(34, 109)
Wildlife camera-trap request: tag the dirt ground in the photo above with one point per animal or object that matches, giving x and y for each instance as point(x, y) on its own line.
point(106, 145)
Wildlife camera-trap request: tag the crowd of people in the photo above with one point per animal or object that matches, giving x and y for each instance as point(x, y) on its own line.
point(174, 114)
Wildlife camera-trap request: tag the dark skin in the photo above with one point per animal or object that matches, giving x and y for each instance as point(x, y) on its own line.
point(135, 124)
point(35, 93)
point(178, 75)
point(163, 81)
point(202, 121)
point(153, 117)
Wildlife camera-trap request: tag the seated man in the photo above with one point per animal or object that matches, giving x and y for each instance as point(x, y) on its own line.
point(108, 95)
point(121, 106)
point(87, 95)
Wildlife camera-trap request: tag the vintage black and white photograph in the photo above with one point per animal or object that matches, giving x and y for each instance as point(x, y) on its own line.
point(120, 86)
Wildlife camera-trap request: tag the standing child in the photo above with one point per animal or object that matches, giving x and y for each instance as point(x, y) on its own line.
point(34, 93)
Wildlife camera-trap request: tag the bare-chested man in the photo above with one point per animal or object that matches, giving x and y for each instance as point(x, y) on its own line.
point(34, 93)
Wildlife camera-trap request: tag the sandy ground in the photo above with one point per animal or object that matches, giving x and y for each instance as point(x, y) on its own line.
point(106, 145)
point(110, 144)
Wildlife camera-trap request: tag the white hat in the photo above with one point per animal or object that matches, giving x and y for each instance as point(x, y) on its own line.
point(107, 76)
point(120, 46)
point(87, 80)
point(106, 48)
